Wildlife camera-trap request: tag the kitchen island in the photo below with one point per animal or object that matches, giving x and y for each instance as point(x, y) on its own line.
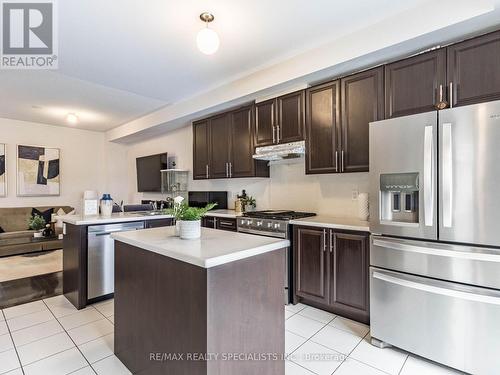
point(208, 306)
point(88, 251)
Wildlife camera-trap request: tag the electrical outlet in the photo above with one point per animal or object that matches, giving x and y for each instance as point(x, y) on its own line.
point(355, 194)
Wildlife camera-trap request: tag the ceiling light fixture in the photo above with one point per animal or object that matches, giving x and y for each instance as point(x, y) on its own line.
point(72, 118)
point(207, 39)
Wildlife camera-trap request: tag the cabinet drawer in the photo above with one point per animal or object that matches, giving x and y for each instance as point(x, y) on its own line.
point(226, 224)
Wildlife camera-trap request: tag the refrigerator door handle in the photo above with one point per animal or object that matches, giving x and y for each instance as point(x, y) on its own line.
point(461, 294)
point(429, 176)
point(447, 168)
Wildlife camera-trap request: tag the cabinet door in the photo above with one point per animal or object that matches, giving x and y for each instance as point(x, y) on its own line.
point(201, 149)
point(474, 69)
point(322, 127)
point(208, 222)
point(413, 85)
point(241, 133)
point(219, 146)
point(349, 281)
point(158, 223)
point(290, 123)
point(226, 224)
point(310, 257)
point(362, 102)
point(265, 120)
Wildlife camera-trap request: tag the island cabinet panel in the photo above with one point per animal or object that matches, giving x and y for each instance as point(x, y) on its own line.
point(168, 307)
point(265, 123)
point(219, 146)
point(414, 85)
point(310, 264)
point(201, 149)
point(349, 274)
point(158, 223)
point(331, 271)
point(291, 117)
point(75, 264)
point(362, 102)
point(474, 69)
point(323, 128)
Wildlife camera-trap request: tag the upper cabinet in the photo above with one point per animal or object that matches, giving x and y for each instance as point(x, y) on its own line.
point(338, 115)
point(362, 97)
point(223, 146)
point(280, 120)
point(322, 128)
point(474, 70)
point(416, 84)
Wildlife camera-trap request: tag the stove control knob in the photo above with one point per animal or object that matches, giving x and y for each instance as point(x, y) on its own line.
point(277, 226)
point(259, 223)
point(249, 222)
point(269, 225)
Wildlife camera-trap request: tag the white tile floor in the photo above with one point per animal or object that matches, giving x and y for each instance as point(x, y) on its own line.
point(52, 337)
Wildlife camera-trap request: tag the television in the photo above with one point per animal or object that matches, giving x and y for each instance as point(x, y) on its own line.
point(148, 172)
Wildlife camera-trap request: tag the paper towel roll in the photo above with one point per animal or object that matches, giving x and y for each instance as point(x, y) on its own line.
point(363, 207)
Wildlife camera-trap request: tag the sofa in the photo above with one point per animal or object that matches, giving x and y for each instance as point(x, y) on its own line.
point(17, 238)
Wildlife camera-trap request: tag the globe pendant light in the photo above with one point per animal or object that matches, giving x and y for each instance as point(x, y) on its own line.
point(207, 39)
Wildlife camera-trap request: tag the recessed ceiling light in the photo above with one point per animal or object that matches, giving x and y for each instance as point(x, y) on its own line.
point(72, 118)
point(207, 39)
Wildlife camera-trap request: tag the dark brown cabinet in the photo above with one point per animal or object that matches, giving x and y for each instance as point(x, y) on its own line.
point(201, 149)
point(223, 146)
point(158, 223)
point(414, 85)
point(362, 102)
point(474, 70)
point(322, 128)
point(209, 222)
point(221, 223)
point(349, 275)
point(280, 120)
point(310, 264)
point(331, 270)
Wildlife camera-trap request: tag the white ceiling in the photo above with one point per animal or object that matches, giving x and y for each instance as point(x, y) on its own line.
point(122, 59)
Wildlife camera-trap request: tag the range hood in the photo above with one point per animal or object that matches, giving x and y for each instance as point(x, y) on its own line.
point(283, 151)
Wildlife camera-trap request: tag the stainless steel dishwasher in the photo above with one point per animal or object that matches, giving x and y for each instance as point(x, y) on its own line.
point(101, 257)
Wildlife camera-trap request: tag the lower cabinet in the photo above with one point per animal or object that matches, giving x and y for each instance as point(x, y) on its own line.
point(158, 223)
point(331, 271)
point(221, 223)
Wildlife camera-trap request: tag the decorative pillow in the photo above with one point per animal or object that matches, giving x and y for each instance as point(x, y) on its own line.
point(1, 230)
point(59, 213)
point(47, 215)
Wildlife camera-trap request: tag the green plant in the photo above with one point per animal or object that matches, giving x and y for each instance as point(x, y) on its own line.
point(36, 222)
point(183, 212)
point(249, 201)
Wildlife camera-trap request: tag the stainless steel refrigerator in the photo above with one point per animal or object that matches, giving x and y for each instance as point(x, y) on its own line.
point(435, 246)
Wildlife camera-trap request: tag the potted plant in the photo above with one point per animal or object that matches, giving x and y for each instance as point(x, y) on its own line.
point(249, 203)
point(36, 223)
point(188, 219)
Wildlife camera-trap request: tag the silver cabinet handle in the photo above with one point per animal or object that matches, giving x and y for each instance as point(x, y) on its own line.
point(333, 246)
point(342, 161)
point(324, 240)
point(451, 94)
point(206, 170)
point(227, 169)
point(440, 93)
point(278, 133)
point(215, 223)
point(429, 176)
point(465, 295)
point(274, 134)
point(447, 167)
point(226, 223)
point(336, 161)
point(230, 169)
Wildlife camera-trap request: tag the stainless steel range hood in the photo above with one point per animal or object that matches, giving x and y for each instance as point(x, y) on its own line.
point(283, 151)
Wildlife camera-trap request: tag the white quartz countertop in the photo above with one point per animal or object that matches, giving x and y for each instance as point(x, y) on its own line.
point(334, 223)
point(224, 213)
point(120, 217)
point(215, 247)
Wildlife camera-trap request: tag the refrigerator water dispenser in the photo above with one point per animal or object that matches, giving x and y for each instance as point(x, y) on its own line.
point(399, 197)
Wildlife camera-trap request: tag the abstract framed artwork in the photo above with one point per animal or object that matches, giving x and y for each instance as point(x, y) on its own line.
point(38, 171)
point(3, 170)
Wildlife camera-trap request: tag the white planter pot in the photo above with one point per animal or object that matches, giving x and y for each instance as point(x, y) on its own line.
point(190, 230)
point(38, 234)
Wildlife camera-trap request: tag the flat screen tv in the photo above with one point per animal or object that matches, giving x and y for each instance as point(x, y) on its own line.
point(148, 172)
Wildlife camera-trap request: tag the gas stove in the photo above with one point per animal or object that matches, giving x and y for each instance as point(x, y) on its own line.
point(273, 223)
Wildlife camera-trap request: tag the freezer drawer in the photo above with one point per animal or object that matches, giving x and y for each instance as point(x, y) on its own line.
point(449, 323)
point(463, 264)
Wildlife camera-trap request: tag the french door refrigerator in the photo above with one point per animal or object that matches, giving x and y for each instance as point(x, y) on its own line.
point(435, 245)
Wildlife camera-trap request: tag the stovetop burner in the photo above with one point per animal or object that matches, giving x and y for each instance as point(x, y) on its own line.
point(278, 214)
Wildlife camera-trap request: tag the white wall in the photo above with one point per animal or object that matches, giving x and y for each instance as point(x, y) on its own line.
point(288, 187)
point(88, 162)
